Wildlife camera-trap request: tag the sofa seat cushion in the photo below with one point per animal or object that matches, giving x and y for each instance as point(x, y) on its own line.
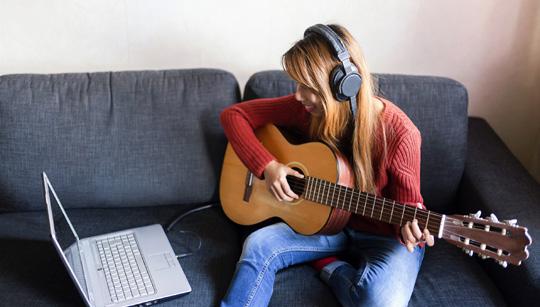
point(448, 277)
point(300, 286)
point(33, 274)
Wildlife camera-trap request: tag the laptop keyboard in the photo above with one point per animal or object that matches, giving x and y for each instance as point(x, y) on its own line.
point(126, 274)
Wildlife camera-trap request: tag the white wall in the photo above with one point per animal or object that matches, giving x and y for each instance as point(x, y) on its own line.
point(491, 46)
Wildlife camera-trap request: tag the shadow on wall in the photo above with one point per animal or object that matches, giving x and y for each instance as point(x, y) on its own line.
point(533, 60)
point(529, 17)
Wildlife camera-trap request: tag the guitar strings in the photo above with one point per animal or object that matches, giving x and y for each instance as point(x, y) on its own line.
point(380, 214)
point(350, 193)
point(376, 211)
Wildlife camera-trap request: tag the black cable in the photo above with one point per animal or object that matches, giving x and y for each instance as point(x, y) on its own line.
point(183, 215)
point(191, 252)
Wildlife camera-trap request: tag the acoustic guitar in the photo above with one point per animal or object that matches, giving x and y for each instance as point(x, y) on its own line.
point(328, 198)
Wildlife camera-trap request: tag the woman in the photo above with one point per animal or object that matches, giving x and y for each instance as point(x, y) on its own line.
point(383, 146)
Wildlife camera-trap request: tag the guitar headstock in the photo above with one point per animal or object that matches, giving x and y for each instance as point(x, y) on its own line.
point(505, 242)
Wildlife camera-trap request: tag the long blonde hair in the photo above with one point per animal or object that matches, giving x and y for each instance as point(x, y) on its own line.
point(309, 62)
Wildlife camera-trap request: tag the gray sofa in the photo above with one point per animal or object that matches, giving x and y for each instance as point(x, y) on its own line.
point(127, 149)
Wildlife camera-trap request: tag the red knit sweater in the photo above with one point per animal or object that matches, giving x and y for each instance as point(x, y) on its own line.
point(397, 177)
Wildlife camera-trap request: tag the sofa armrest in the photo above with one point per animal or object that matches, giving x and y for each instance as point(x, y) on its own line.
point(495, 182)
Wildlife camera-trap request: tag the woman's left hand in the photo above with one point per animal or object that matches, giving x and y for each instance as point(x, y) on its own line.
point(412, 235)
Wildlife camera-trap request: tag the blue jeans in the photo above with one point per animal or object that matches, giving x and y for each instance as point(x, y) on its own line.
point(385, 273)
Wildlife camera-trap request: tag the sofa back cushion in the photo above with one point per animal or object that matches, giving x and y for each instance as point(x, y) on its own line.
point(436, 105)
point(135, 138)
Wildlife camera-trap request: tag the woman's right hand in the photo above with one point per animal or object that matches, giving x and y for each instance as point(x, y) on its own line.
point(275, 176)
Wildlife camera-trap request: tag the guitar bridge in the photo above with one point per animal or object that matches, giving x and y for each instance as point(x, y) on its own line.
point(248, 186)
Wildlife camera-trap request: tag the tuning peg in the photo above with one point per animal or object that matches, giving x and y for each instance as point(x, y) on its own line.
point(468, 252)
point(493, 218)
point(511, 222)
point(484, 257)
point(476, 215)
point(504, 264)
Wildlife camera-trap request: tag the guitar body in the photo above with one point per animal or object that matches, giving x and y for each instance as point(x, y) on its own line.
point(246, 200)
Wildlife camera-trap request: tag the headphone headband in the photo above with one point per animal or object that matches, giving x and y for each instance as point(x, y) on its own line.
point(337, 46)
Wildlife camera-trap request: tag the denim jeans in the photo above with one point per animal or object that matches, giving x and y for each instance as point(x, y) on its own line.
point(384, 275)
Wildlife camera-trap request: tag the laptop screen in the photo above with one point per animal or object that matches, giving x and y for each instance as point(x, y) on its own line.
point(64, 234)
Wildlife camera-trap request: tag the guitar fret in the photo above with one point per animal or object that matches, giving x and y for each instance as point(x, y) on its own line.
point(402, 214)
point(333, 192)
point(307, 187)
point(392, 212)
point(414, 216)
point(339, 203)
point(339, 193)
point(350, 200)
point(317, 193)
point(365, 205)
point(324, 200)
point(345, 197)
point(382, 210)
point(314, 189)
point(427, 219)
point(329, 202)
point(345, 192)
point(320, 193)
point(338, 198)
point(373, 207)
point(319, 190)
point(357, 200)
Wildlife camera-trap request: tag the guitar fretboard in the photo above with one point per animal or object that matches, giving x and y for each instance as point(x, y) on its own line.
point(365, 204)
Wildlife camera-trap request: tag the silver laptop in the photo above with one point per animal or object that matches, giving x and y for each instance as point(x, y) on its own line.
point(123, 268)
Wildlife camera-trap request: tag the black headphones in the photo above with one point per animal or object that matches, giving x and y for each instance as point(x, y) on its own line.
point(345, 80)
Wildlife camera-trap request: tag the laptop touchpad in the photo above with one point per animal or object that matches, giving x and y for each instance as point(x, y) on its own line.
point(158, 262)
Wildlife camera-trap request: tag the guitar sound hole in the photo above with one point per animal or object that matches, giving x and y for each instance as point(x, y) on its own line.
point(298, 170)
point(296, 184)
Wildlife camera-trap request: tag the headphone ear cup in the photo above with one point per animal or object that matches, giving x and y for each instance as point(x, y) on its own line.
point(350, 84)
point(336, 77)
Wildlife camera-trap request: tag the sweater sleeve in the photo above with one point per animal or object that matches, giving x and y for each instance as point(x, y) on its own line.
point(404, 173)
point(240, 120)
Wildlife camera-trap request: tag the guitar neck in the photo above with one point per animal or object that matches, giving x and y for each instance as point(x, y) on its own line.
point(364, 204)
